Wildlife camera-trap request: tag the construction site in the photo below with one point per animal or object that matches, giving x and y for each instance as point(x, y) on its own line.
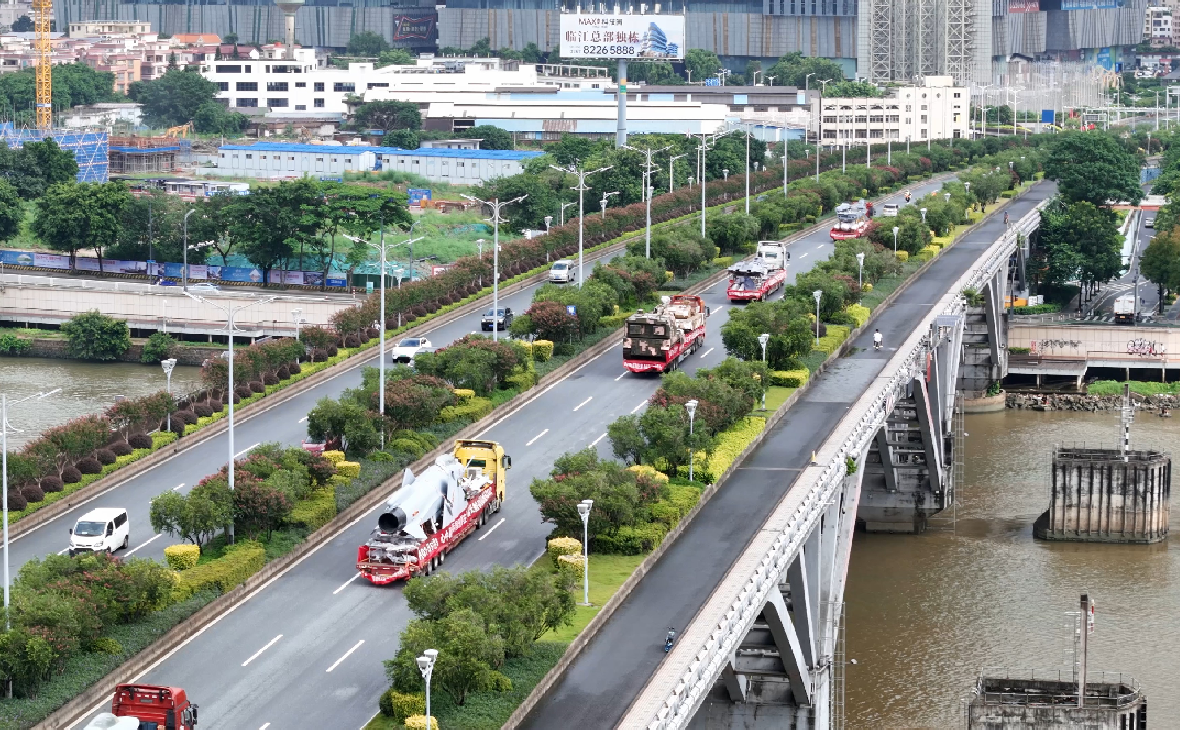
point(130, 155)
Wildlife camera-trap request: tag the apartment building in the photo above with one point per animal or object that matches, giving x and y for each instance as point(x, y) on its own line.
point(935, 110)
point(1157, 26)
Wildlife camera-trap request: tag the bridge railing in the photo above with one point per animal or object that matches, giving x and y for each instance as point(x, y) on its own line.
point(680, 685)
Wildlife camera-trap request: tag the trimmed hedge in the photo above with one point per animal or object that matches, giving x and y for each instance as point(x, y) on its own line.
point(472, 410)
point(334, 456)
point(315, 511)
point(928, 252)
point(182, 557)
point(464, 393)
point(559, 546)
point(632, 539)
point(225, 573)
point(542, 350)
point(836, 334)
point(859, 312)
point(789, 378)
point(571, 568)
point(399, 705)
point(348, 469)
point(730, 444)
point(903, 256)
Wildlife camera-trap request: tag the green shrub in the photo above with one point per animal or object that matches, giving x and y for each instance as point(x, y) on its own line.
point(859, 313)
point(684, 498)
point(632, 539)
point(1038, 309)
point(316, 511)
point(409, 447)
point(789, 378)
point(464, 393)
point(1008, 194)
point(95, 336)
point(665, 512)
point(10, 344)
point(106, 645)
point(928, 252)
point(472, 410)
point(158, 347)
point(903, 256)
point(400, 705)
point(225, 573)
point(521, 380)
point(182, 557)
point(559, 546)
point(542, 350)
point(614, 321)
point(830, 342)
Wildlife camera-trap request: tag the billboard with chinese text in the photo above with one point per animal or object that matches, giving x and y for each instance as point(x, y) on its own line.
point(640, 37)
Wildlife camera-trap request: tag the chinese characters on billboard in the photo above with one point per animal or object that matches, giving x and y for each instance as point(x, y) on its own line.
point(641, 37)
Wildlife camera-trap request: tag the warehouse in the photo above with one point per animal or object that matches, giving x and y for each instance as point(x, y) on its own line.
point(277, 161)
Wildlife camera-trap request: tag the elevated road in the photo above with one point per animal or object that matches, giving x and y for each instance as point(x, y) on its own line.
point(320, 617)
point(605, 679)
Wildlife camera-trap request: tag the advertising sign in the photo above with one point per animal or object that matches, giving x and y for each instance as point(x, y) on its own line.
point(51, 261)
point(1091, 4)
point(417, 195)
point(642, 37)
point(1024, 6)
point(336, 278)
point(1047, 116)
point(285, 277)
point(405, 28)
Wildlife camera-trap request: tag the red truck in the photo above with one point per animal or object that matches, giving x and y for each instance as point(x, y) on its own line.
point(147, 705)
point(433, 512)
point(758, 278)
point(656, 342)
point(852, 220)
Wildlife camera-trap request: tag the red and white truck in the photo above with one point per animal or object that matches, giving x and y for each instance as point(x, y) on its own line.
point(761, 276)
point(137, 706)
point(852, 220)
point(432, 513)
point(656, 342)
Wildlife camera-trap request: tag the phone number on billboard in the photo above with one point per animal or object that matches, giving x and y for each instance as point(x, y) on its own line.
point(608, 51)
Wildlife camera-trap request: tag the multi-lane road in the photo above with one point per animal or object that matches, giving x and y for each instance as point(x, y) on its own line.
point(305, 649)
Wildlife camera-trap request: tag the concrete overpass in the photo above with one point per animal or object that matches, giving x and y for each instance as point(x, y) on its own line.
point(756, 581)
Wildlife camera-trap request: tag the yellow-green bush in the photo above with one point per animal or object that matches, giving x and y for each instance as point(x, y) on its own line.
point(348, 469)
point(408, 446)
point(464, 393)
point(542, 350)
point(723, 262)
point(418, 722)
point(903, 256)
point(650, 472)
point(338, 480)
point(559, 546)
point(571, 568)
point(315, 511)
point(400, 705)
point(614, 321)
point(789, 378)
point(522, 380)
point(225, 573)
point(859, 312)
point(474, 409)
point(665, 512)
point(684, 498)
point(182, 557)
point(632, 539)
point(868, 287)
point(730, 444)
point(927, 252)
point(334, 456)
point(669, 275)
point(833, 339)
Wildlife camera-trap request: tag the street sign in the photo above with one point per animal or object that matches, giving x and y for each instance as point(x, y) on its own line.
point(571, 310)
point(368, 287)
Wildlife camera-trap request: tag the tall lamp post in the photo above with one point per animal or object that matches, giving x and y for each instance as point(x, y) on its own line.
point(297, 318)
point(496, 220)
point(584, 512)
point(563, 207)
point(230, 311)
point(426, 666)
point(762, 340)
point(818, 294)
point(860, 276)
point(691, 407)
point(748, 169)
point(603, 203)
point(581, 187)
point(895, 230)
point(671, 175)
point(4, 426)
point(648, 167)
point(167, 365)
point(184, 250)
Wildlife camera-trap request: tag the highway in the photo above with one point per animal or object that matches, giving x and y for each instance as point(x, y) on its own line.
point(305, 650)
point(614, 667)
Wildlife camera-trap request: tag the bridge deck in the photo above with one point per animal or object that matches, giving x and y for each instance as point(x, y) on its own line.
point(600, 685)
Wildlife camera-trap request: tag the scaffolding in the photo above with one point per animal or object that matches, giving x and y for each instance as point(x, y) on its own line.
point(149, 154)
point(89, 147)
point(911, 38)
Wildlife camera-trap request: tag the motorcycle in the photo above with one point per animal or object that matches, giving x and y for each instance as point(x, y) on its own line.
point(669, 640)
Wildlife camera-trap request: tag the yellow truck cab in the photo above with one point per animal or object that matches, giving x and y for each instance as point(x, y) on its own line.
point(489, 457)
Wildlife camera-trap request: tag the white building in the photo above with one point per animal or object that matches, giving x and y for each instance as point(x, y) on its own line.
point(277, 161)
point(1157, 25)
point(935, 110)
point(103, 114)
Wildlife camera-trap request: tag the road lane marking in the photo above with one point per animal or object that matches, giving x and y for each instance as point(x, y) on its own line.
point(178, 487)
point(59, 552)
point(259, 652)
point(530, 443)
point(346, 655)
point(491, 529)
point(301, 420)
point(718, 309)
point(641, 405)
point(244, 451)
point(157, 537)
point(595, 441)
point(620, 376)
point(264, 727)
point(583, 403)
point(706, 353)
point(358, 575)
point(803, 255)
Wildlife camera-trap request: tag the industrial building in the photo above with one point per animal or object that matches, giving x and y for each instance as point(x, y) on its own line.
point(274, 160)
point(935, 110)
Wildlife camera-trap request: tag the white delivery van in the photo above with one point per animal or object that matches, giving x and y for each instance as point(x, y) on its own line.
point(563, 272)
point(889, 210)
point(102, 529)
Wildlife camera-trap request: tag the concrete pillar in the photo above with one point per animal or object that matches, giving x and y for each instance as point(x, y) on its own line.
point(1038, 380)
point(802, 718)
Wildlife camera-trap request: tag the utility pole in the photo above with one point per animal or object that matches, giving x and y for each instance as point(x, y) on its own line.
point(581, 187)
point(496, 220)
point(648, 167)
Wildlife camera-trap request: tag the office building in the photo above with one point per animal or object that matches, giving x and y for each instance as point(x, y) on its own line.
point(935, 110)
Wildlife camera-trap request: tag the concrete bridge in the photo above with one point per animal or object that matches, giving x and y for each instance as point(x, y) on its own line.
point(757, 580)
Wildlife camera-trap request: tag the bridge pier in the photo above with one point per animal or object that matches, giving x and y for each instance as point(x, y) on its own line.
point(985, 338)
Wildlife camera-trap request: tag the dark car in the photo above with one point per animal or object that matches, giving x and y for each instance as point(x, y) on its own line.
point(502, 319)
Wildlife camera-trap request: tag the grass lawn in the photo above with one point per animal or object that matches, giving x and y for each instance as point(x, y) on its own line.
point(776, 395)
point(607, 574)
point(1113, 387)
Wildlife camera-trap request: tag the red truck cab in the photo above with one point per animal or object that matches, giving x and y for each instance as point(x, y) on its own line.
point(167, 707)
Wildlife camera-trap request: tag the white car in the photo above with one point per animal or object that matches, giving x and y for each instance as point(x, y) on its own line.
point(1150, 223)
point(889, 210)
point(203, 288)
point(104, 529)
point(563, 272)
point(408, 348)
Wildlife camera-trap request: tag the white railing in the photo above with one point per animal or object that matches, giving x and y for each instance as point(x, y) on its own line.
point(676, 690)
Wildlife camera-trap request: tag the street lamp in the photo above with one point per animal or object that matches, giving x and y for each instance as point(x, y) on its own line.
point(818, 294)
point(725, 175)
point(671, 176)
point(548, 223)
point(860, 277)
point(297, 318)
point(895, 230)
point(748, 168)
point(426, 666)
point(496, 220)
point(584, 512)
point(184, 249)
point(946, 197)
point(691, 407)
point(230, 311)
point(923, 212)
point(168, 365)
point(581, 187)
point(563, 207)
point(762, 340)
point(4, 426)
point(648, 190)
point(605, 199)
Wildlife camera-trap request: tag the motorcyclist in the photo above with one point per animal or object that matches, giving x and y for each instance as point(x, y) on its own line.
point(671, 637)
point(907, 196)
point(1005, 219)
point(877, 337)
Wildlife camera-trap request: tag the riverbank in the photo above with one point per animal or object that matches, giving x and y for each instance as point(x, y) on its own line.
point(1087, 402)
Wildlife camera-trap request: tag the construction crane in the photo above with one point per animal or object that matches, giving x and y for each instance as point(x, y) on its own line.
point(43, 12)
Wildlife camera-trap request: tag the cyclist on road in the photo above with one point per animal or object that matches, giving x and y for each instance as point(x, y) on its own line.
point(877, 339)
point(1005, 219)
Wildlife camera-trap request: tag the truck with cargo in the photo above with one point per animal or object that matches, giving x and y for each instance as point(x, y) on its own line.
point(432, 513)
point(852, 220)
point(655, 342)
point(140, 706)
point(758, 278)
point(1124, 309)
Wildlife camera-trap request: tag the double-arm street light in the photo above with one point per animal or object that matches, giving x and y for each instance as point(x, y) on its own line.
point(496, 219)
point(671, 173)
point(230, 311)
point(584, 512)
point(4, 427)
point(167, 365)
point(691, 407)
point(762, 340)
point(648, 168)
point(581, 187)
point(603, 203)
point(184, 250)
point(426, 666)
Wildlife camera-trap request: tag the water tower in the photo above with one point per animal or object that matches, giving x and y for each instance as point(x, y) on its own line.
point(289, 8)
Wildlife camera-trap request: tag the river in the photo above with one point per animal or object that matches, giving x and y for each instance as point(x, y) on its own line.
point(926, 612)
point(86, 387)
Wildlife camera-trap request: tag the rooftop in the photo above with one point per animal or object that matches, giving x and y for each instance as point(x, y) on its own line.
point(356, 150)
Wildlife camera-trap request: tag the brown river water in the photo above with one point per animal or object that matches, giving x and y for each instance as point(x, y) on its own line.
point(925, 613)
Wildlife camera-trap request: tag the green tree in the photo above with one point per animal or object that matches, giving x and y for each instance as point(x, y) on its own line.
point(793, 70)
point(345, 421)
point(194, 517)
point(1161, 261)
point(732, 232)
point(95, 336)
point(1095, 168)
point(854, 89)
point(158, 347)
point(703, 64)
point(395, 57)
point(23, 24)
point(368, 44)
point(1079, 241)
point(539, 202)
point(468, 655)
point(213, 118)
point(493, 138)
point(273, 222)
point(76, 215)
point(571, 149)
point(174, 98)
point(786, 322)
point(388, 115)
point(36, 165)
point(12, 212)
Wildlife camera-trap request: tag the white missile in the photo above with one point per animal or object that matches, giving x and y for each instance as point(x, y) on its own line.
point(422, 499)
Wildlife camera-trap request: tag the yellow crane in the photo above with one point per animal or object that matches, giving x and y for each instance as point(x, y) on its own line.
point(43, 12)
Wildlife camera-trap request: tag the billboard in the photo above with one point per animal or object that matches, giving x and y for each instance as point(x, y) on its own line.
point(1091, 4)
point(1024, 6)
point(641, 37)
point(417, 195)
point(406, 28)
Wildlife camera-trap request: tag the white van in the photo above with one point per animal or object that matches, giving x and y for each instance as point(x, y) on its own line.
point(889, 210)
point(563, 272)
point(101, 529)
